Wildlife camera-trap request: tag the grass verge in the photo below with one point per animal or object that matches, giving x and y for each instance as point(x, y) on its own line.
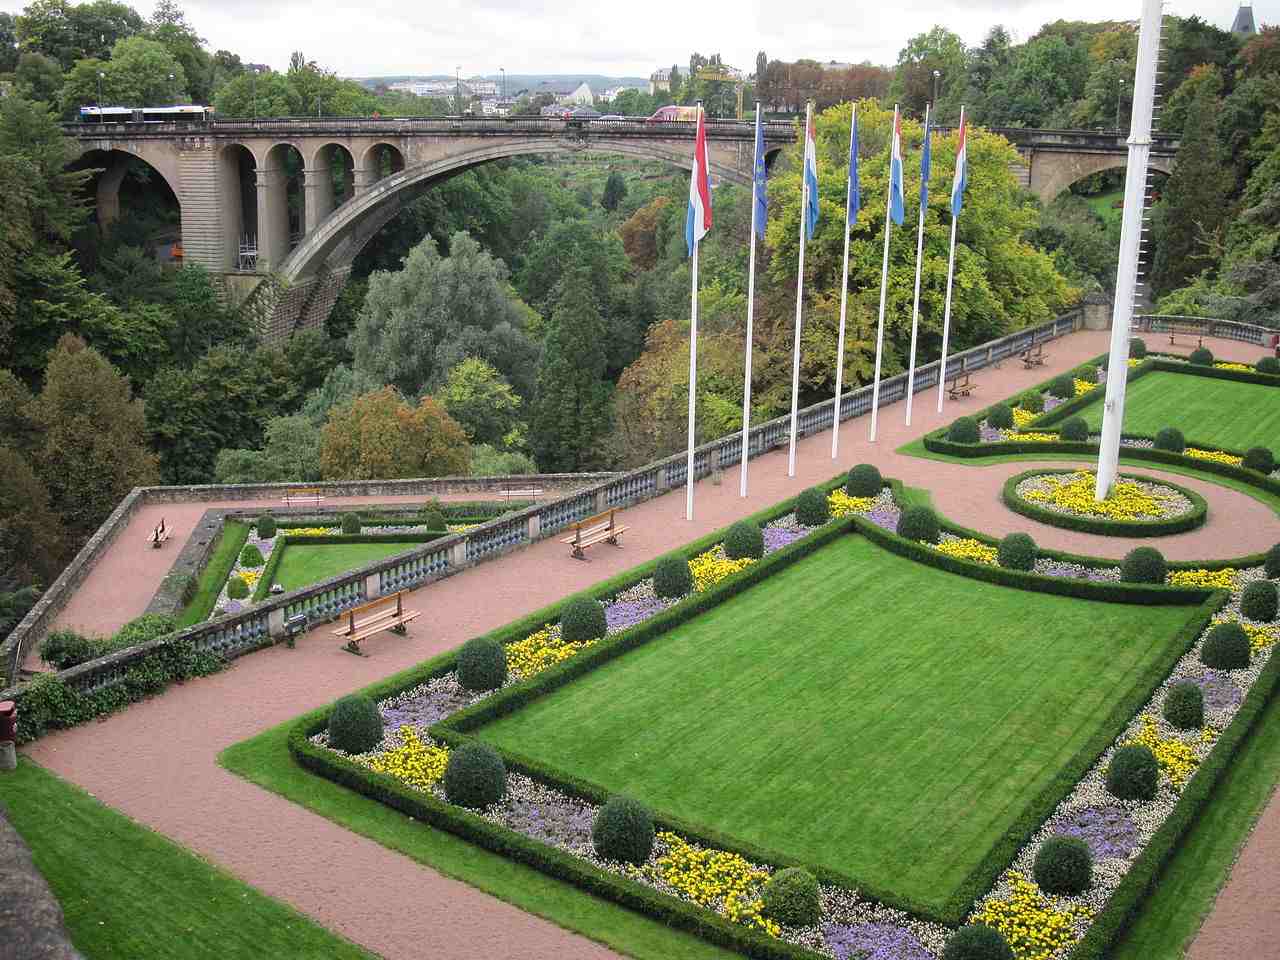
point(126, 891)
point(214, 575)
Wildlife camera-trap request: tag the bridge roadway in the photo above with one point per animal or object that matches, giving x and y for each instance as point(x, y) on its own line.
point(242, 218)
point(157, 760)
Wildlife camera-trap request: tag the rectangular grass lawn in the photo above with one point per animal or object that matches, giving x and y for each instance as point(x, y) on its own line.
point(306, 563)
point(1219, 412)
point(856, 710)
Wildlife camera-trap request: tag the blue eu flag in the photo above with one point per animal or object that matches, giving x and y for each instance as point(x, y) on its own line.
point(759, 179)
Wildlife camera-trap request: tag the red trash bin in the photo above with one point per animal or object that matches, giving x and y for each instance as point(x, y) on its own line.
point(8, 721)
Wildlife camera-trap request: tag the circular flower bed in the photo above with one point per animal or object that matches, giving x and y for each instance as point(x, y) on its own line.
point(1137, 507)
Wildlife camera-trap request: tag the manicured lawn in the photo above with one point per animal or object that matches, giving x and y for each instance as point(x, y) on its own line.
point(1223, 413)
point(305, 563)
point(857, 710)
point(215, 573)
point(129, 892)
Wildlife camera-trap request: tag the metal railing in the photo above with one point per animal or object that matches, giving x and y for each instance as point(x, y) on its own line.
point(242, 632)
point(1224, 329)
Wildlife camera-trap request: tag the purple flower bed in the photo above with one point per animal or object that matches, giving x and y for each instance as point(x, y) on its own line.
point(989, 434)
point(873, 941)
point(562, 823)
point(1051, 401)
point(1107, 830)
point(428, 707)
point(775, 538)
point(1220, 691)
point(1074, 571)
point(627, 613)
point(885, 515)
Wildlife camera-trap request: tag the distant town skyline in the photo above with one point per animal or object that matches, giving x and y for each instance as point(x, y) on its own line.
point(389, 38)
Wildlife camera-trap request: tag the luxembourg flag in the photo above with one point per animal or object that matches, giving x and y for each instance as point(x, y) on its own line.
point(962, 171)
point(895, 173)
point(698, 221)
point(810, 179)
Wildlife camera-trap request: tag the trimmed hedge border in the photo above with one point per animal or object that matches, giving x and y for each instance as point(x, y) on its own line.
point(452, 730)
point(1195, 517)
point(285, 539)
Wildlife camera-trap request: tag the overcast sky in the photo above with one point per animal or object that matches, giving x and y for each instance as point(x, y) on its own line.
point(380, 37)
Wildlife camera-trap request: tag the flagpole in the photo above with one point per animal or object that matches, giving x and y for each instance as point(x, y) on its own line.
point(844, 299)
point(693, 382)
point(884, 277)
point(946, 317)
point(915, 303)
point(795, 359)
point(751, 306)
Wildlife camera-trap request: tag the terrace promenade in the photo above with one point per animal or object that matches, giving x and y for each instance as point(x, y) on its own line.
point(157, 760)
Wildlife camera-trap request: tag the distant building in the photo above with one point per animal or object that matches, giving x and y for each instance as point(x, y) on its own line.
point(612, 93)
point(660, 81)
point(480, 87)
point(426, 88)
point(580, 96)
point(836, 65)
point(1243, 25)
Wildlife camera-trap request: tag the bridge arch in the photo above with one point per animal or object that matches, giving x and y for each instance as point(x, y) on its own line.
point(1052, 173)
point(379, 160)
point(125, 174)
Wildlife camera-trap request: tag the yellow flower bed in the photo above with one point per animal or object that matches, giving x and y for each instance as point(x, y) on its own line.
point(842, 504)
point(968, 549)
point(1260, 637)
point(416, 763)
point(307, 532)
point(1224, 579)
point(1022, 417)
point(1176, 758)
point(1242, 367)
point(1134, 361)
point(460, 527)
point(1074, 492)
point(1029, 922)
point(250, 576)
point(541, 650)
point(1215, 455)
point(1083, 386)
point(1031, 437)
point(711, 567)
point(716, 879)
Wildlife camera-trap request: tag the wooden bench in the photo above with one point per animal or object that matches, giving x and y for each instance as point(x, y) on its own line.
point(603, 527)
point(159, 534)
point(1185, 329)
point(960, 386)
point(385, 613)
point(1033, 356)
point(306, 495)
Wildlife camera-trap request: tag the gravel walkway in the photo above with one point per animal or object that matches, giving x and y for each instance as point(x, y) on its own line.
point(154, 764)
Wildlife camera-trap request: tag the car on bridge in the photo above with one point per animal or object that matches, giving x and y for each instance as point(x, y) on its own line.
point(673, 113)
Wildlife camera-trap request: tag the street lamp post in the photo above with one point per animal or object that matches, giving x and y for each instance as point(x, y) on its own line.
point(457, 84)
point(503, 71)
point(937, 75)
point(253, 87)
point(101, 77)
point(1119, 97)
point(172, 92)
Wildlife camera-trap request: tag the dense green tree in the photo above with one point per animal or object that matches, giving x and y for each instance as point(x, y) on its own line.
point(67, 33)
point(482, 401)
point(486, 461)
point(8, 44)
point(17, 427)
point(290, 452)
point(92, 449)
point(1045, 77)
point(56, 202)
point(380, 436)
point(340, 387)
point(417, 323)
point(168, 26)
point(1188, 43)
point(615, 190)
point(913, 80)
point(1204, 80)
point(570, 413)
point(1193, 207)
point(38, 78)
point(33, 544)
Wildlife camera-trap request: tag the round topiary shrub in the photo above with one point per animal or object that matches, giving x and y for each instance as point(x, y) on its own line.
point(1017, 552)
point(237, 589)
point(266, 525)
point(1063, 387)
point(1032, 401)
point(919, 523)
point(433, 519)
point(963, 430)
point(623, 830)
point(1000, 416)
point(864, 481)
point(1171, 439)
point(1226, 647)
point(792, 898)
point(1133, 773)
point(582, 620)
point(251, 556)
point(672, 578)
point(475, 776)
point(482, 664)
point(1075, 430)
point(1201, 357)
point(1260, 459)
point(1088, 373)
point(1137, 348)
point(977, 942)
point(1259, 601)
point(355, 725)
point(1268, 365)
point(812, 509)
point(350, 523)
point(744, 539)
point(1271, 563)
point(1063, 865)
point(1143, 565)
point(1184, 705)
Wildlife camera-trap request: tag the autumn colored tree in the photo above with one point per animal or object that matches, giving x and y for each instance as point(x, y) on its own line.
point(381, 437)
point(640, 234)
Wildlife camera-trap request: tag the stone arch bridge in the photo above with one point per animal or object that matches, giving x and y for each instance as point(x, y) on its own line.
point(296, 199)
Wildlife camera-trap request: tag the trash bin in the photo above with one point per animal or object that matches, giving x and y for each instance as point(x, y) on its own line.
point(8, 734)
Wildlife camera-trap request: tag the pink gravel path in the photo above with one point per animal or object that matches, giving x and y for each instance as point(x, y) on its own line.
point(154, 764)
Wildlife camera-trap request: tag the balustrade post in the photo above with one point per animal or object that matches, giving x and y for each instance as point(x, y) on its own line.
point(458, 554)
point(534, 527)
point(602, 500)
point(373, 586)
point(275, 622)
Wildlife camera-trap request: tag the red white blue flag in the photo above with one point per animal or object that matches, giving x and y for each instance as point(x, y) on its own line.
point(962, 170)
point(810, 179)
point(698, 221)
point(896, 205)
